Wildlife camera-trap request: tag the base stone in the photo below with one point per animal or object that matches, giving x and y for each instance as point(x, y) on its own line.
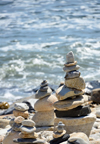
point(45, 118)
point(81, 124)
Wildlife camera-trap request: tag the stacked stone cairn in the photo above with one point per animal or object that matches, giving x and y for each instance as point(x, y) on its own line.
point(59, 134)
point(21, 109)
point(70, 107)
point(28, 134)
point(15, 124)
point(44, 116)
point(21, 113)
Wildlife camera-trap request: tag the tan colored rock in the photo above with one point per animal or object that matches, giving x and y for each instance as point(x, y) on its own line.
point(20, 113)
point(70, 64)
point(70, 103)
point(77, 83)
point(45, 118)
point(10, 136)
point(46, 103)
point(4, 123)
point(28, 122)
point(64, 92)
point(79, 137)
point(81, 124)
point(19, 119)
point(57, 134)
point(32, 135)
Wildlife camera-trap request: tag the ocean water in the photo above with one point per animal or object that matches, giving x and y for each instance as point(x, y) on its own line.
point(36, 35)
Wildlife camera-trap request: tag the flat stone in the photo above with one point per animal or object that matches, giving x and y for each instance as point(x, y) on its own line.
point(29, 123)
point(70, 57)
point(76, 112)
point(45, 118)
point(57, 134)
point(77, 83)
point(19, 119)
point(78, 124)
point(71, 103)
point(16, 126)
point(72, 74)
point(46, 103)
point(31, 135)
point(44, 83)
point(96, 95)
point(78, 138)
point(70, 64)
point(29, 141)
point(21, 106)
point(27, 130)
point(71, 68)
point(64, 92)
point(41, 94)
point(20, 113)
point(60, 139)
point(10, 136)
point(44, 88)
point(4, 123)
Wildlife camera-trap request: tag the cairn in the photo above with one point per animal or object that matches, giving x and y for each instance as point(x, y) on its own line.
point(21, 109)
point(59, 134)
point(28, 134)
point(70, 107)
point(44, 115)
point(15, 124)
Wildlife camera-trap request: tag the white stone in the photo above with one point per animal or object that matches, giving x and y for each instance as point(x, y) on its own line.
point(21, 106)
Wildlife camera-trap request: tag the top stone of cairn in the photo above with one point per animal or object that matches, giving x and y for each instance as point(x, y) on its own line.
point(70, 57)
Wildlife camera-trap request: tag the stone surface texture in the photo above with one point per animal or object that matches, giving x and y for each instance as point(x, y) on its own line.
point(21, 106)
point(28, 122)
point(19, 119)
point(20, 113)
point(41, 94)
point(64, 92)
point(45, 104)
point(95, 94)
point(77, 83)
point(71, 68)
point(45, 118)
point(71, 103)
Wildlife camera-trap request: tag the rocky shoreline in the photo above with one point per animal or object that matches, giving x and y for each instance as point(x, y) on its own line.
point(69, 114)
point(47, 132)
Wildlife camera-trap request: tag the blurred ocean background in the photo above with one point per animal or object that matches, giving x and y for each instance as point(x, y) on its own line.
point(36, 35)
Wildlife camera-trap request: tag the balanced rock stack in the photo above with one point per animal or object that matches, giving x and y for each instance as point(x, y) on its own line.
point(15, 124)
point(59, 134)
point(44, 115)
point(21, 109)
point(71, 108)
point(28, 134)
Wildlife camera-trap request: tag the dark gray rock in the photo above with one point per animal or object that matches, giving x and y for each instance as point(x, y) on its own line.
point(60, 139)
point(91, 85)
point(95, 95)
point(76, 112)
